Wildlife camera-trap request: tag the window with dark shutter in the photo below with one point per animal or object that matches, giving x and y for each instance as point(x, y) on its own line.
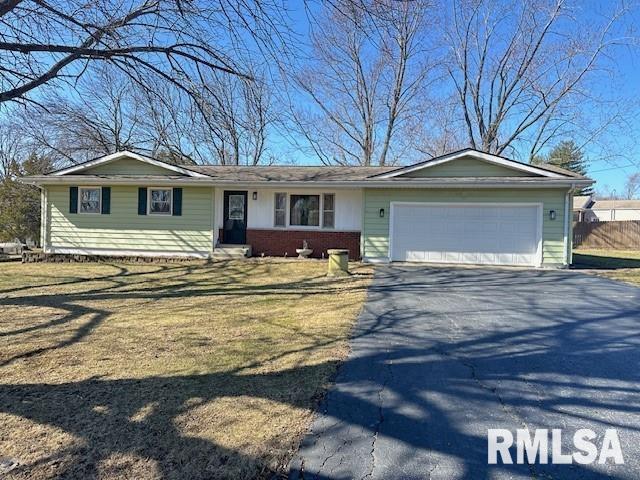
point(177, 201)
point(73, 199)
point(142, 201)
point(90, 199)
point(160, 202)
point(106, 200)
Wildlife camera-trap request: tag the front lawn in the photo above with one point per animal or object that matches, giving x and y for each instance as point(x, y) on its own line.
point(617, 264)
point(166, 371)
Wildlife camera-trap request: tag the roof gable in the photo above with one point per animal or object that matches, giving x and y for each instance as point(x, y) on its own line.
point(471, 163)
point(580, 202)
point(126, 166)
point(127, 163)
point(467, 167)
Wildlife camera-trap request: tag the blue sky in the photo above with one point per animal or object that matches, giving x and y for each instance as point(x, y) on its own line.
point(613, 173)
point(622, 81)
point(615, 154)
point(612, 158)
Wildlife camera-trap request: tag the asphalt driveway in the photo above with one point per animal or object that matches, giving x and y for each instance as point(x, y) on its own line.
point(440, 355)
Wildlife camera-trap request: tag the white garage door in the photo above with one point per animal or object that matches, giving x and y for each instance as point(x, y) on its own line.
point(506, 234)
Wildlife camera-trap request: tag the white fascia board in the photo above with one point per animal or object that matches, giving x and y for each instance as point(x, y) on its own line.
point(120, 155)
point(91, 180)
point(77, 180)
point(486, 157)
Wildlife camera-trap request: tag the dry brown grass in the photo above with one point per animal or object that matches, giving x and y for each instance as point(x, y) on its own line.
point(166, 371)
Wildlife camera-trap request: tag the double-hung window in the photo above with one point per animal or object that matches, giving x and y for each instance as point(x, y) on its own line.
point(280, 211)
point(89, 199)
point(328, 210)
point(160, 201)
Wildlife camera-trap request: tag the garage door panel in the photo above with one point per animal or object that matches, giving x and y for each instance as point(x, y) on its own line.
point(416, 256)
point(473, 234)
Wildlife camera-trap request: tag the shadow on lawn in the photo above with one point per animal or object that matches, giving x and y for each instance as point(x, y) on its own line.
point(583, 261)
point(593, 354)
point(163, 282)
point(101, 413)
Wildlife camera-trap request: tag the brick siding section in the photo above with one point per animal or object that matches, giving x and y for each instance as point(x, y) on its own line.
point(275, 243)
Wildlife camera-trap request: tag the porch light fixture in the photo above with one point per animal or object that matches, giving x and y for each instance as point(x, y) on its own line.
point(382, 213)
point(255, 195)
point(552, 214)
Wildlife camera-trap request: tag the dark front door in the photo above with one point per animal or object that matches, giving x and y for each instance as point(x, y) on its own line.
point(235, 217)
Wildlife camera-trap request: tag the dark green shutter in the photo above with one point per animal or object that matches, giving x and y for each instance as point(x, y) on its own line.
point(73, 199)
point(177, 201)
point(106, 200)
point(142, 201)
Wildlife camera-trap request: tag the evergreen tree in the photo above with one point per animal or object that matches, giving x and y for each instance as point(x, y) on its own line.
point(20, 203)
point(567, 155)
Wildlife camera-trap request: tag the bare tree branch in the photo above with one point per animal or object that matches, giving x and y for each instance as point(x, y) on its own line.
point(44, 43)
point(518, 67)
point(369, 62)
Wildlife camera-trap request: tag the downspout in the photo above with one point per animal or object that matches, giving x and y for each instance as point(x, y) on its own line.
point(568, 242)
point(362, 225)
point(43, 218)
point(213, 221)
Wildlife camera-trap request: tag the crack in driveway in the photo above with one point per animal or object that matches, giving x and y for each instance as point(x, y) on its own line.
point(441, 355)
point(378, 425)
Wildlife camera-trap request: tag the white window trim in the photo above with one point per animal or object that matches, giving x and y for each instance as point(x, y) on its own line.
point(99, 200)
point(332, 227)
point(149, 212)
point(287, 212)
point(286, 209)
point(320, 205)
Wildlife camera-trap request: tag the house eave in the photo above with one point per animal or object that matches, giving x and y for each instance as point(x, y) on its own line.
point(389, 183)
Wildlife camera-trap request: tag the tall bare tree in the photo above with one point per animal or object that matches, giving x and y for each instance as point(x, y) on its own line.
point(99, 116)
point(11, 147)
point(368, 64)
point(632, 185)
point(520, 70)
point(228, 122)
point(238, 116)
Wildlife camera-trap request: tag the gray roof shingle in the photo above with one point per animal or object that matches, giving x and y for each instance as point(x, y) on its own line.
point(581, 201)
point(560, 170)
point(288, 174)
point(607, 204)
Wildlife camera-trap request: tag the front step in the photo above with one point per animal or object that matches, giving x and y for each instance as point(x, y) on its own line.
point(231, 252)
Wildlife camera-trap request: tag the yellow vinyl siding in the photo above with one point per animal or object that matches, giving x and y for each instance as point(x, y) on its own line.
point(127, 166)
point(124, 229)
point(467, 167)
point(375, 230)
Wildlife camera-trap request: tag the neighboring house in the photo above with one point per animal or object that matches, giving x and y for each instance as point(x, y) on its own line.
point(464, 207)
point(581, 204)
point(11, 247)
point(586, 209)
